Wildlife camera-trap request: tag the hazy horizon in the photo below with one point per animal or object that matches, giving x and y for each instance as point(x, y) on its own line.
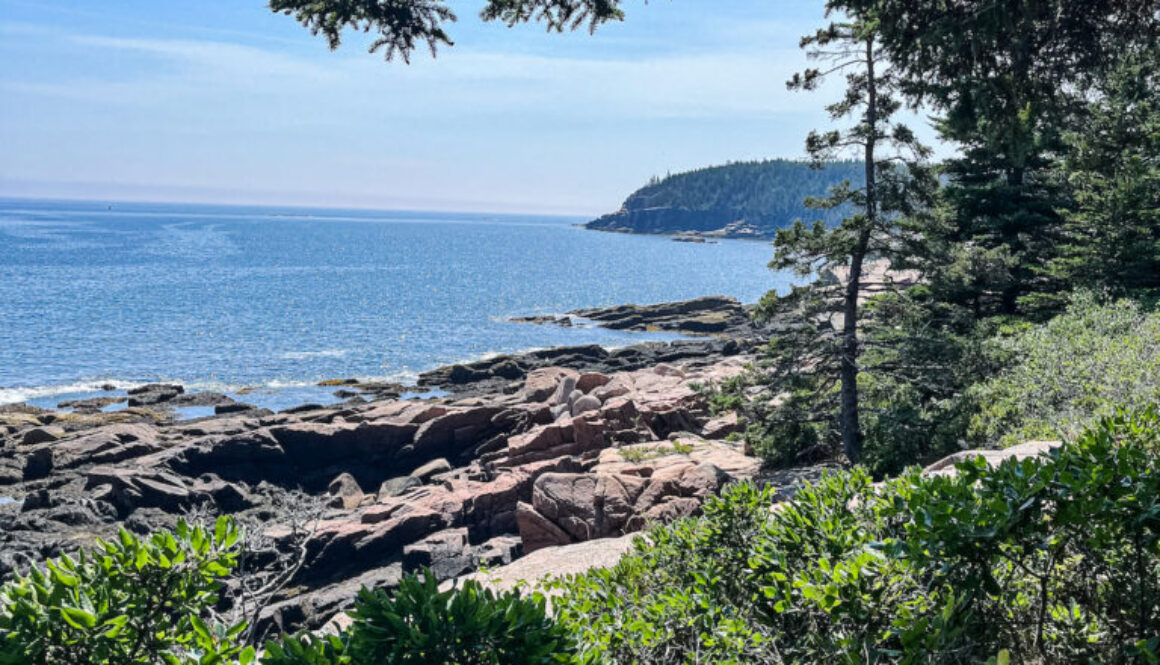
point(236, 105)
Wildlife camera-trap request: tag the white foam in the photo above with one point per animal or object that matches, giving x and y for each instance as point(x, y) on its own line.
point(23, 394)
point(307, 355)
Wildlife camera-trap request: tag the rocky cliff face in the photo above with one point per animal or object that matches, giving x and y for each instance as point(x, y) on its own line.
point(715, 223)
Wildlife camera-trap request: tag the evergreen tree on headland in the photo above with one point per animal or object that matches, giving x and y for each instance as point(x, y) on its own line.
point(826, 342)
point(1004, 77)
point(402, 26)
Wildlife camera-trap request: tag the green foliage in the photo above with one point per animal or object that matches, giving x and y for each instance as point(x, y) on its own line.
point(768, 193)
point(1112, 235)
point(1067, 373)
point(471, 625)
point(401, 25)
point(641, 453)
point(131, 601)
point(723, 396)
point(679, 593)
point(307, 649)
point(1051, 560)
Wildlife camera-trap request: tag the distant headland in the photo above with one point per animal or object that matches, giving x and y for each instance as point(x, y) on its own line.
point(736, 200)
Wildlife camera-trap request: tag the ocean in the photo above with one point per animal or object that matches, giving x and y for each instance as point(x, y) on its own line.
point(275, 300)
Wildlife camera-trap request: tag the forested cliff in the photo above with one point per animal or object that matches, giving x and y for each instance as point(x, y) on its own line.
point(740, 199)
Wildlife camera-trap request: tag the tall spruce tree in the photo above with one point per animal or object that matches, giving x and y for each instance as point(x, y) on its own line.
point(1004, 77)
point(1112, 235)
point(826, 342)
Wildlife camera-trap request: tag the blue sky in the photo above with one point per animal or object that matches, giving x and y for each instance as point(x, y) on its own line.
point(224, 101)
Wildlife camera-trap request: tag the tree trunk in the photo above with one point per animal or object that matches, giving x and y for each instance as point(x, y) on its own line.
point(851, 427)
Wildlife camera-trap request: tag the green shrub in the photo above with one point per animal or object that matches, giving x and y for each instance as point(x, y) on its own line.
point(1040, 561)
point(131, 601)
point(419, 624)
point(307, 649)
point(1069, 372)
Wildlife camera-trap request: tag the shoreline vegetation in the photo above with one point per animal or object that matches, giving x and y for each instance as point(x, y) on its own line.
point(945, 450)
point(739, 200)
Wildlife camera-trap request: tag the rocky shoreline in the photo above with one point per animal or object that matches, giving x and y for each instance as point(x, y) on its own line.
point(521, 453)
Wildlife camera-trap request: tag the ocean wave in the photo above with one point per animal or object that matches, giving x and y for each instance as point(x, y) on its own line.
point(307, 355)
point(16, 395)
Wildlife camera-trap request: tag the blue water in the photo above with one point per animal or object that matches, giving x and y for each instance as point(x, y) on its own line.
point(277, 299)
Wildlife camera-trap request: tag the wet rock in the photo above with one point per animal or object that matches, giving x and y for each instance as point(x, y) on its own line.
point(235, 407)
point(713, 314)
point(508, 370)
point(154, 393)
point(42, 435)
point(465, 374)
point(544, 319)
point(38, 464)
point(92, 404)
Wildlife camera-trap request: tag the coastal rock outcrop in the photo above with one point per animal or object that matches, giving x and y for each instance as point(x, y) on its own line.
point(362, 491)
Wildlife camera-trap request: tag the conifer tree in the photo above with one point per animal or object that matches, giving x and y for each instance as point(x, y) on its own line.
point(1112, 236)
point(402, 26)
point(825, 344)
point(1004, 77)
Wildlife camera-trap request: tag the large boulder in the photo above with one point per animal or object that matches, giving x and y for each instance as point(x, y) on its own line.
point(619, 496)
point(587, 506)
point(537, 531)
point(344, 492)
point(153, 393)
point(433, 468)
point(445, 553)
point(541, 384)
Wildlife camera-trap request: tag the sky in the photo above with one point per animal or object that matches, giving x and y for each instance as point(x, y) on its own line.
point(223, 101)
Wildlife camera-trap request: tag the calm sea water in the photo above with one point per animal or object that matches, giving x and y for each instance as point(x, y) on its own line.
point(280, 298)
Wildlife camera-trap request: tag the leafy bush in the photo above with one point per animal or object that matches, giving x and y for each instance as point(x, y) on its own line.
point(307, 649)
point(1069, 372)
point(417, 624)
point(139, 601)
point(1046, 560)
